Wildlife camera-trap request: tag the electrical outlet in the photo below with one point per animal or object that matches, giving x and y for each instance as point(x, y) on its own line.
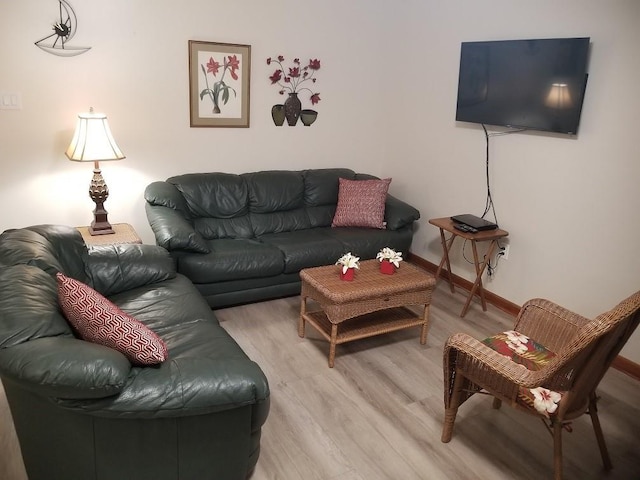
point(504, 252)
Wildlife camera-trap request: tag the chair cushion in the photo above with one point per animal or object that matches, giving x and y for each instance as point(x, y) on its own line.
point(533, 356)
point(361, 203)
point(520, 349)
point(98, 320)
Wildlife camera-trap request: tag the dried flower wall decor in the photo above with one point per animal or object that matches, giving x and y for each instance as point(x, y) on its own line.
point(292, 80)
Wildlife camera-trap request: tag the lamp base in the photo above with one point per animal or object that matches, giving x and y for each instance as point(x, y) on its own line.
point(103, 229)
point(99, 192)
point(100, 224)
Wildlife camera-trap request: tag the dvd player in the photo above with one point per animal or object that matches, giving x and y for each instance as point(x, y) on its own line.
point(474, 222)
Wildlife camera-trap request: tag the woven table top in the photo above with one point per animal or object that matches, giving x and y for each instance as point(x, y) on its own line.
point(368, 283)
point(123, 233)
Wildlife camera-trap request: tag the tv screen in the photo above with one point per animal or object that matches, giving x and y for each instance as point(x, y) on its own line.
point(529, 84)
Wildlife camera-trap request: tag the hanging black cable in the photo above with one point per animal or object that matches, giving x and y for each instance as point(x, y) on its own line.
point(489, 201)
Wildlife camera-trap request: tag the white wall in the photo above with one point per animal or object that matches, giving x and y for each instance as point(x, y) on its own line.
point(570, 204)
point(388, 88)
point(137, 73)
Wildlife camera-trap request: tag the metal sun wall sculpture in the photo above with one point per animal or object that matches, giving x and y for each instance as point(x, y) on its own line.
point(63, 30)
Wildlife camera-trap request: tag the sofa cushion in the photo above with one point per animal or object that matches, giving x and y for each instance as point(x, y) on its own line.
point(321, 193)
point(305, 248)
point(117, 268)
point(217, 195)
point(321, 185)
point(218, 204)
point(276, 201)
point(213, 228)
point(232, 260)
point(361, 203)
point(98, 320)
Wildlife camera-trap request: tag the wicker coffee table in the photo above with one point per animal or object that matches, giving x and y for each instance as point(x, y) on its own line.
point(371, 304)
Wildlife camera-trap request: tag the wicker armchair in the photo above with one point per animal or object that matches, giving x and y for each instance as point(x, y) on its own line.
point(550, 347)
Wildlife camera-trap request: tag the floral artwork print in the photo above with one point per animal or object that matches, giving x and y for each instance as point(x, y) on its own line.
point(219, 91)
point(219, 81)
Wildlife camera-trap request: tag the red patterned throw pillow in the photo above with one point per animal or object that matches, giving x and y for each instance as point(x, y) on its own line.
point(361, 203)
point(98, 320)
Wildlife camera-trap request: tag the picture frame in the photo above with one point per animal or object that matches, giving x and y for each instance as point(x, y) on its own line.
point(219, 80)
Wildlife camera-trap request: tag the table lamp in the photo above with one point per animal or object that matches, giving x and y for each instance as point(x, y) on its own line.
point(93, 142)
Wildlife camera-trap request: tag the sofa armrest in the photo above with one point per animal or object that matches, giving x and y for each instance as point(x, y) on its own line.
point(182, 386)
point(168, 217)
point(398, 213)
point(173, 231)
point(117, 268)
point(65, 367)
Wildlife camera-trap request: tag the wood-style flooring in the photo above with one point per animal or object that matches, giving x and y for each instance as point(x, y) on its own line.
point(378, 413)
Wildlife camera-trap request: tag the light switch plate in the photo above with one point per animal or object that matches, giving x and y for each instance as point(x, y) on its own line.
point(10, 101)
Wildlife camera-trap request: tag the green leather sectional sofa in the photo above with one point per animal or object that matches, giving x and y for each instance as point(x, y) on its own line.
point(81, 410)
point(244, 238)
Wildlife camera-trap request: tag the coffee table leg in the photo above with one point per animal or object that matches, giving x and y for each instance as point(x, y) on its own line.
point(425, 325)
point(303, 311)
point(332, 345)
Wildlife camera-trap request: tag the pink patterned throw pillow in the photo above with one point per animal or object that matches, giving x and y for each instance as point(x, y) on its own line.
point(98, 320)
point(361, 203)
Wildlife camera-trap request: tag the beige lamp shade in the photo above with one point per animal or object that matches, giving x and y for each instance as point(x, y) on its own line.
point(559, 96)
point(92, 140)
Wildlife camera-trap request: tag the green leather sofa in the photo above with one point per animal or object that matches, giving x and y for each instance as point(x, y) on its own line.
point(243, 238)
point(81, 410)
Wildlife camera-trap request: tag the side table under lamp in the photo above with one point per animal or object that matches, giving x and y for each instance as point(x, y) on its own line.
point(93, 142)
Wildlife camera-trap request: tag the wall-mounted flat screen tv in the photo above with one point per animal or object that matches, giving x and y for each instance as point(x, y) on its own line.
point(528, 84)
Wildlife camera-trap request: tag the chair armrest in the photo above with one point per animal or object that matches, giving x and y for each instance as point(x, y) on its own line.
point(65, 367)
point(548, 323)
point(117, 268)
point(477, 360)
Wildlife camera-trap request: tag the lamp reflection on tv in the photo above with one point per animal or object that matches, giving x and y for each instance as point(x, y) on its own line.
point(559, 96)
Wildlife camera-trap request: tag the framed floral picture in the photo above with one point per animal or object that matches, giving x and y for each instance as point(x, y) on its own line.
point(219, 78)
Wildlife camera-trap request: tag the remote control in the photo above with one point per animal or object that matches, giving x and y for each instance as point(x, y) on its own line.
point(465, 228)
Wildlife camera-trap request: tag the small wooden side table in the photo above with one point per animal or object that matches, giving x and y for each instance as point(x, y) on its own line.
point(445, 224)
point(124, 233)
